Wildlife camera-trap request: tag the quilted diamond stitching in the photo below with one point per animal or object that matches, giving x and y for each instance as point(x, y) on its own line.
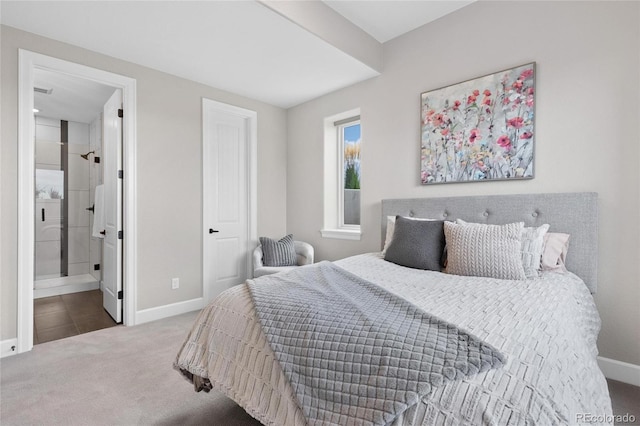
point(354, 352)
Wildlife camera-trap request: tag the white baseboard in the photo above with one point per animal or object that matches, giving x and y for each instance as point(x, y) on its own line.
point(620, 371)
point(8, 347)
point(65, 289)
point(166, 311)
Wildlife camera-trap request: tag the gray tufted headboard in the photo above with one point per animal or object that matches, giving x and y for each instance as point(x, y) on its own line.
point(574, 213)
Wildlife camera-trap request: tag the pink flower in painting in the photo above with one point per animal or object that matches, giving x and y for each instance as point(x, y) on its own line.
point(471, 99)
point(487, 92)
point(517, 84)
point(530, 91)
point(444, 132)
point(486, 101)
point(526, 135)
point(456, 105)
point(526, 74)
point(476, 92)
point(437, 120)
point(475, 133)
point(516, 122)
point(428, 115)
point(529, 101)
point(504, 141)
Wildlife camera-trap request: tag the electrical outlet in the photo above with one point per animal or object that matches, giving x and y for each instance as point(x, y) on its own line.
point(175, 283)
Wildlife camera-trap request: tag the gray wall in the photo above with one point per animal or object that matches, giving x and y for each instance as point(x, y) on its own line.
point(169, 173)
point(587, 131)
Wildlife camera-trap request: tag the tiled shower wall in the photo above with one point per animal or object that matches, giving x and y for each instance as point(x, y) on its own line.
point(95, 179)
point(83, 251)
point(48, 225)
point(79, 199)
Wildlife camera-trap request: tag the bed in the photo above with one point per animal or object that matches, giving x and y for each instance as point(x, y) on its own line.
point(545, 327)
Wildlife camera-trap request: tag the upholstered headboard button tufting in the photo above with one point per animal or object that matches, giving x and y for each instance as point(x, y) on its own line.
point(575, 214)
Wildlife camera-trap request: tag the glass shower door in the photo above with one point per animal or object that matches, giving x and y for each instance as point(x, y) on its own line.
point(49, 222)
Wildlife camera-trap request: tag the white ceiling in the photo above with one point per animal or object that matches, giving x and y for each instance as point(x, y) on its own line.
point(243, 47)
point(386, 20)
point(71, 98)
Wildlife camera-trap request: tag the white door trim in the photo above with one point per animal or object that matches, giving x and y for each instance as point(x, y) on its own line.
point(251, 118)
point(28, 61)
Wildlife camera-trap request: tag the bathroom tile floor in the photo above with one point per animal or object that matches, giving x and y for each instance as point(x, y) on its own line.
point(68, 315)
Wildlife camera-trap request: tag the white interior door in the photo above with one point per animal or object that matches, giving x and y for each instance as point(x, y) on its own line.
point(112, 248)
point(226, 198)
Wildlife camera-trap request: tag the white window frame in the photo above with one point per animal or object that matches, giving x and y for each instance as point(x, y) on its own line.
point(340, 125)
point(334, 226)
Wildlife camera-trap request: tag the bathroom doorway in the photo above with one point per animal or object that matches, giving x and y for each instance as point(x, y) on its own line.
point(68, 169)
point(61, 165)
point(69, 209)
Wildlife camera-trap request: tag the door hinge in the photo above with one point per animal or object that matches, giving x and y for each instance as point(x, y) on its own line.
point(120, 113)
point(120, 295)
point(120, 174)
point(120, 235)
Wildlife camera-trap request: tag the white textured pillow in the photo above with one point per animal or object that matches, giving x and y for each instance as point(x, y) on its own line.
point(485, 250)
point(532, 246)
point(391, 225)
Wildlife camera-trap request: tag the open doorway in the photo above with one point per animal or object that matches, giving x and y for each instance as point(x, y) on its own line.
point(64, 128)
point(69, 168)
point(69, 213)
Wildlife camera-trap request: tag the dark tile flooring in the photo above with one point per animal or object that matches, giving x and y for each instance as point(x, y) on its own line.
point(68, 315)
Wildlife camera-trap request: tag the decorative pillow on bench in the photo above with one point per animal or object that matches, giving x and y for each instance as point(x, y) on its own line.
point(279, 253)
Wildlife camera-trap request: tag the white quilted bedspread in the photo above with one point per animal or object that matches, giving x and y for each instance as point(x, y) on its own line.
point(546, 327)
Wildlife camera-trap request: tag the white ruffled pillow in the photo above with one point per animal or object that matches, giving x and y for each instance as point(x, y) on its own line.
point(532, 247)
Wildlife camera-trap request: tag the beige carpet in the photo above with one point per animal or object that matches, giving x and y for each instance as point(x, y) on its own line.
point(116, 376)
point(124, 376)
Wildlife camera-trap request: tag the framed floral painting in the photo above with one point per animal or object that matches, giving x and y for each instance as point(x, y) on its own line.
point(479, 130)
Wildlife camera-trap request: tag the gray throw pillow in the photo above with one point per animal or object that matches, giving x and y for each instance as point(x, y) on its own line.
point(417, 244)
point(279, 253)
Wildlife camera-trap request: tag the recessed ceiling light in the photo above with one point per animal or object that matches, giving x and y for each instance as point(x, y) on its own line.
point(36, 110)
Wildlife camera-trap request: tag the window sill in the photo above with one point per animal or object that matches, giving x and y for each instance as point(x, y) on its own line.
point(342, 234)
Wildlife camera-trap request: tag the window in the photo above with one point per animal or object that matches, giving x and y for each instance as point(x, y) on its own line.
point(342, 175)
point(349, 140)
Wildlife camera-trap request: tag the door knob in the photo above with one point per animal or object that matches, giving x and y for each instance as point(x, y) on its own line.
point(211, 231)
